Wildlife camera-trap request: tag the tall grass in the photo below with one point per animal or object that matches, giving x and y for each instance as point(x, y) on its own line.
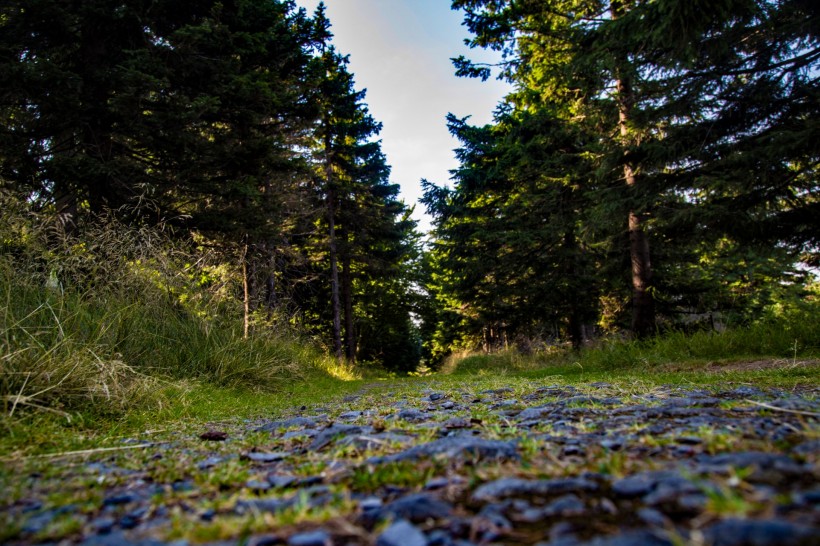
point(119, 317)
point(789, 333)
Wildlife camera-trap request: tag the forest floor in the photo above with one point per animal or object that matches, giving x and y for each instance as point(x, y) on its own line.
point(725, 456)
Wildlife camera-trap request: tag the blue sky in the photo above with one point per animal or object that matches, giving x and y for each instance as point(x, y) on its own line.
point(400, 52)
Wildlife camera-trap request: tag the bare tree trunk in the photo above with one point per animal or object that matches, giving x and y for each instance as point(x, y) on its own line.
point(246, 292)
point(270, 283)
point(334, 258)
point(643, 305)
point(347, 297)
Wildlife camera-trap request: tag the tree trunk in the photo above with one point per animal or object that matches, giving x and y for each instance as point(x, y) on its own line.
point(643, 305)
point(347, 296)
point(270, 282)
point(246, 294)
point(334, 259)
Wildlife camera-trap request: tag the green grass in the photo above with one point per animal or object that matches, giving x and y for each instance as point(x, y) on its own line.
point(135, 338)
point(125, 329)
point(784, 347)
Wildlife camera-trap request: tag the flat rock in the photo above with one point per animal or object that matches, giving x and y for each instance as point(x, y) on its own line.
point(401, 533)
point(293, 422)
point(326, 436)
point(519, 487)
point(741, 532)
point(416, 508)
point(311, 538)
point(456, 447)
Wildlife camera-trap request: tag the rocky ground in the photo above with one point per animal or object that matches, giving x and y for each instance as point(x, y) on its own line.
point(535, 463)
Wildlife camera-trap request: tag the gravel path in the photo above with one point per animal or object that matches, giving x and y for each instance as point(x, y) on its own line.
point(534, 464)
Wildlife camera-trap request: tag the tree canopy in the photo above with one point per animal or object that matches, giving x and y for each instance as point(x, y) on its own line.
point(239, 124)
point(658, 156)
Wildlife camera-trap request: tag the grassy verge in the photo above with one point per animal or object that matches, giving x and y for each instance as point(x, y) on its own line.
point(124, 329)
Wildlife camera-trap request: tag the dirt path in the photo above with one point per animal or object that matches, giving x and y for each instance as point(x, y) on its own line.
point(534, 463)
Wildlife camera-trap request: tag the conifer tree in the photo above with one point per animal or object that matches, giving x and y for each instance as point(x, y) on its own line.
point(695, 109)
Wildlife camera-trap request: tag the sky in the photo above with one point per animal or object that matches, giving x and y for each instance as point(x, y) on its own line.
point(400, 52)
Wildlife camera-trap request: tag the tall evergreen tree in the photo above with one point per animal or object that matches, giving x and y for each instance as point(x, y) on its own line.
point(694, 114)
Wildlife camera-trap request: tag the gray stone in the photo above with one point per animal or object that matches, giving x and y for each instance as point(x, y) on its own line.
point(413, 415)
point(517, 487)
point(738, 532)
point(766, 467)
point(263, 457)
point(261, 505)
point(401, 533)
point(416, 508)
point(118, 538)
point(538, 412)
point(121, 498)
point(332, 432)
point(258, 485)
point(566, 506)
point(281, 481)
point(653, 518)
point(103, 525)
point(311, 538)
point(210, 462)
point(374, 441)
point(305, 433)
point(644, 483)
point(455, 447)
point(631, 538)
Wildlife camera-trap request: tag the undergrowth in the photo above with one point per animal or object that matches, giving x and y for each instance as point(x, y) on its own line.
point(124, 320)
point(785, 334)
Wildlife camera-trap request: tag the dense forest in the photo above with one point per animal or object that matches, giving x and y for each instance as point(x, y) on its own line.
point(654, 168)
point(239, 128)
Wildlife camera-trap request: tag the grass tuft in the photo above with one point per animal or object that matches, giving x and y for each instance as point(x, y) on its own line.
point(123, 322)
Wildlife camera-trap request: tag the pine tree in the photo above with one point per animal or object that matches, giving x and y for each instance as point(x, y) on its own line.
point(695, 116)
